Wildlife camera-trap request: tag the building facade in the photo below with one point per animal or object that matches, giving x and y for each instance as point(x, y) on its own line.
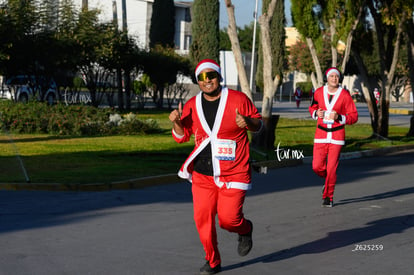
point(138, 19)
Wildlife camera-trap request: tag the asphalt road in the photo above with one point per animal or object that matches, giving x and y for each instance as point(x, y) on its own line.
point(151, 231)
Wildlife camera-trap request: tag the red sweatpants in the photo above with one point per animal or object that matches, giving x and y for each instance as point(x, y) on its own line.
point(208, 201)
point(325, 163)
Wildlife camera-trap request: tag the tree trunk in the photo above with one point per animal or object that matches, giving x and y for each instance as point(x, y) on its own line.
point(388, 80)
point(235, 47)
point(369, 98)
point(350, 38)
point(160, 101)
point(318, 70)
point(314, 80)
point(127, 83)
point(411, 131)
point(410, 55)
point(334, 51)
point(120, 93)
point(265, 139)
point(267, 135)
point(383, 120)
point(387, 72)
point(94, 101)
point(269, 84)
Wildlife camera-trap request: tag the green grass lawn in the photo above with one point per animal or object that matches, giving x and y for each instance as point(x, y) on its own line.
point(70, 160)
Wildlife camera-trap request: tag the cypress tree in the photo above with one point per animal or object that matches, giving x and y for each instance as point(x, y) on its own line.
point(162, 24)
point(278, 36)
point(205, 30)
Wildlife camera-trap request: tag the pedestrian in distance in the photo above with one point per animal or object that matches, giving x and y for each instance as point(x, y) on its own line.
point(218, 167)
point(298, 96)
point(333, 108)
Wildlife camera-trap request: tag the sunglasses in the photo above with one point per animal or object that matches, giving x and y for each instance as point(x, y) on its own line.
point(210, 75)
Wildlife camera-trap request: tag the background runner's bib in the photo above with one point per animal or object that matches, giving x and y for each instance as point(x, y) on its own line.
point(326, 118)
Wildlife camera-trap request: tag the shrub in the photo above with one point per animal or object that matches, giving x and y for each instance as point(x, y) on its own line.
point(37, 117)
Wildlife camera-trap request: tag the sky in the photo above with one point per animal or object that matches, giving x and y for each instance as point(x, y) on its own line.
point(244, 12)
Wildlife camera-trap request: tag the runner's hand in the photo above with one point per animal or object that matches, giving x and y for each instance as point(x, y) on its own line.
point(240, 120)
point(175, 115)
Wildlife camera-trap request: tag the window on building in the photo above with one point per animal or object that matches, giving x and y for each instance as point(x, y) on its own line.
point(187, 15)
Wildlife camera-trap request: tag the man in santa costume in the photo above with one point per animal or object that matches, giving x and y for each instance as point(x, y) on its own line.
point(376, 95)
point(218, 167)
point(333, 108)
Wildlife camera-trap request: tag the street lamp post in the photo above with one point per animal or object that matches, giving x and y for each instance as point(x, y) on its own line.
point(253, 48)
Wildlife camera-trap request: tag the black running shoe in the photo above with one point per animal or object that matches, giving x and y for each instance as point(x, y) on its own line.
point(245, 242)
point(207, 269)
point(327, 202)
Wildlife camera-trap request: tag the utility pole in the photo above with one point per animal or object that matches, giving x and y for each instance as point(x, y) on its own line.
point(118, 69)
point(114, 13)
point(253, 49)
point(84, 4)
point(127, 72)
point(124, 16)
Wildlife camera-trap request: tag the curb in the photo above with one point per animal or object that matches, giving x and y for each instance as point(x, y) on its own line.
point(401, 111)
point(259, 167)
point(120, 185)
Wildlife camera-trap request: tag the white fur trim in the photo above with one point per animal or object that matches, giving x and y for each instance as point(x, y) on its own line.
point(331, 71)
point(207, 65)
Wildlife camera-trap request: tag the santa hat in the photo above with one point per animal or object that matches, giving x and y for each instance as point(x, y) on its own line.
point(332, 70)
point(207, 64)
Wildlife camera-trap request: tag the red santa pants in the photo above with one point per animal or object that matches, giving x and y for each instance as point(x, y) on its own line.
point(208, 201)
point(325, 163)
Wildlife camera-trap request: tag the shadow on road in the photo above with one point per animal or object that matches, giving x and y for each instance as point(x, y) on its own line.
point(385, 195)
point(35, 209)
point(338, 239)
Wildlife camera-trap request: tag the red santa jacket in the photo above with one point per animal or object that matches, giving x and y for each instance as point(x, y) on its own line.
point(229, 143)
point(342, 103)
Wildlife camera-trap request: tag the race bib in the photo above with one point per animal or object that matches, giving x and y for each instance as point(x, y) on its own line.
point(225, 149)
point(326, 118)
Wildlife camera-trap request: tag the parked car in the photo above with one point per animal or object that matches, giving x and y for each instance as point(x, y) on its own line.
point(21, 88)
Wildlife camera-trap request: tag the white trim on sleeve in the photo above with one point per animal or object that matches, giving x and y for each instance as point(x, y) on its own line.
point(177, 135)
